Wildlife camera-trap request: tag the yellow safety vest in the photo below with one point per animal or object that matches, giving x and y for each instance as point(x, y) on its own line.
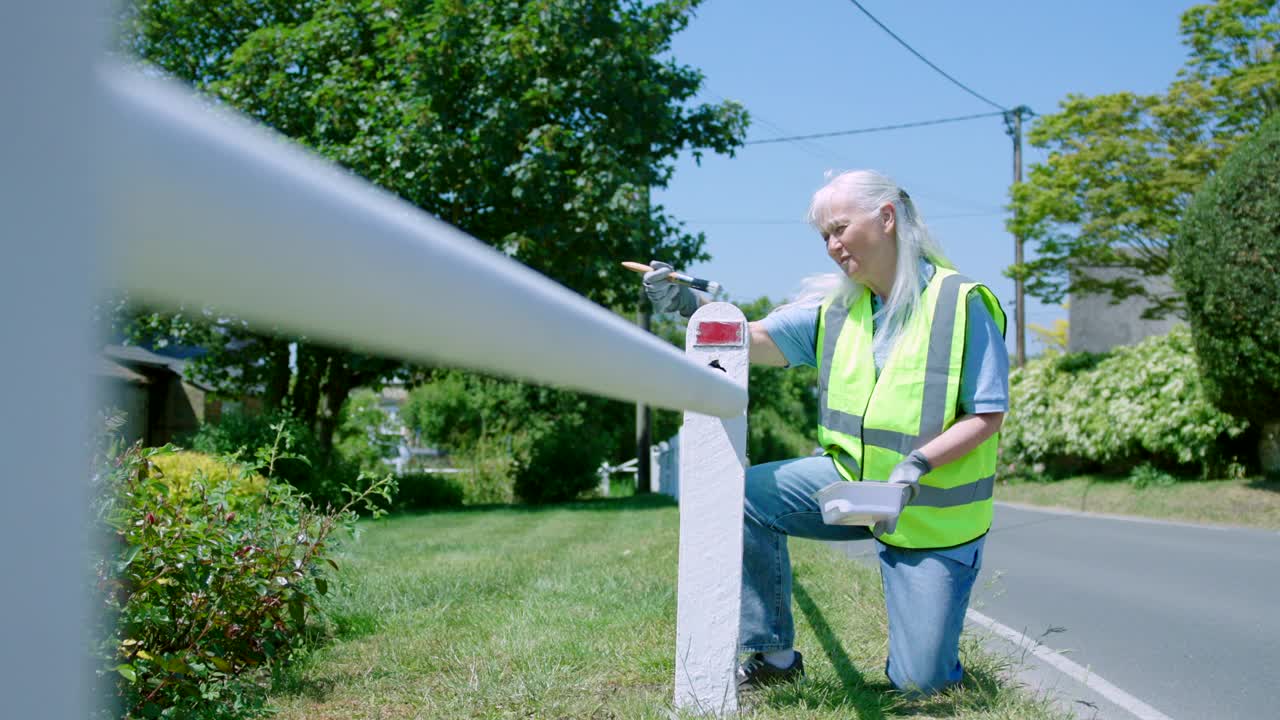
point(867, 425)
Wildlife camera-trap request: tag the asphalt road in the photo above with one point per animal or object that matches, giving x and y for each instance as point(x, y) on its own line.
point(1182, 617)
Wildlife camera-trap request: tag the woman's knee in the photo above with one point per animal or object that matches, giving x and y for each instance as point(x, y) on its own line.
point(760, 494)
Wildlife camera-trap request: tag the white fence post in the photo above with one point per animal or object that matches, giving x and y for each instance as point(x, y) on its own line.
point(712, 466)
point(49, 208)
point(656, 480)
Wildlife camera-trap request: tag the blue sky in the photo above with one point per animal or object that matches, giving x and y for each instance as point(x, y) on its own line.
point(812, 66)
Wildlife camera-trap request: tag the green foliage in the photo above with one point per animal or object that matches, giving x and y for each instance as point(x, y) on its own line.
point(782, 417)
point(204, 582)
point(1146, 475)
point(1052, 337)
point(1077, 361)
point(359, 439)
point(519, 441)
point(1143, 403)
point(539, 128)
point(426, 491)
point(186, 472)
point(1121, 168)
point(1227, 262)
point(309, 468)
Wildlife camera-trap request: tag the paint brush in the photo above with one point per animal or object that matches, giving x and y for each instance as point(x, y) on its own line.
point(710, 286)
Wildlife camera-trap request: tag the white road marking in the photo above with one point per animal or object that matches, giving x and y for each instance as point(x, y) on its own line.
point(1080, 674)
point(1130, 518)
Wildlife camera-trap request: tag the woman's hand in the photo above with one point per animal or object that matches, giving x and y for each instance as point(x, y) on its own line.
point(665, 295)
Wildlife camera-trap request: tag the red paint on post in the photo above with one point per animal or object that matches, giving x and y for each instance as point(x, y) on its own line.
point(719, 333)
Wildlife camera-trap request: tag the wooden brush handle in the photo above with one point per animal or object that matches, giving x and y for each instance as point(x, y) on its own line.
point(636, 267)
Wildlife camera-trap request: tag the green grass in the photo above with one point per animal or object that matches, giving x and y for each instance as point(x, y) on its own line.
point(569, 612)
point(1251, 502)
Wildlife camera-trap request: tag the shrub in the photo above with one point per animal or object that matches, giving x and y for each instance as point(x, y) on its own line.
point(487, 477)
point(1143, 403)
point(424, 491)
point(1077, 361)
point(309, 469)
point(782, 418)
point(547, 443)
point(358, 439)
point(1226, 261)
point(187, 472)
point(204, 581)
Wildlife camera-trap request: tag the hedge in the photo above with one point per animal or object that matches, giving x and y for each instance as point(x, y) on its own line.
point(1139, 404)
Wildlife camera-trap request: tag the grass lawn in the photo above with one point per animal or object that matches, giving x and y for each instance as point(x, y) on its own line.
point(1253, 502)
point(569, 612)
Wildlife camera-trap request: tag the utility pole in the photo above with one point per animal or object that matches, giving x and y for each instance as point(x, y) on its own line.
point(1013, 126)
point(644, 419)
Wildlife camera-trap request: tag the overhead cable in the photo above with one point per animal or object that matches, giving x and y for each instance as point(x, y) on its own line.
point(880, 128)
point(925, 60)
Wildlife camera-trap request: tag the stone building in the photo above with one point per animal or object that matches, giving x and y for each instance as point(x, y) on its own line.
point(1097, 325)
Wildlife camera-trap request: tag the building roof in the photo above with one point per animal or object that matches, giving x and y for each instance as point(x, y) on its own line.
point(103, 367)
point(135, 355)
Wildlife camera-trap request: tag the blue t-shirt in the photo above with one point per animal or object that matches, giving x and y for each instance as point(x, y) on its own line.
point(984, 372)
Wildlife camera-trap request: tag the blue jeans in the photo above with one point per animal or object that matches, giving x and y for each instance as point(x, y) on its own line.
point(926, 593)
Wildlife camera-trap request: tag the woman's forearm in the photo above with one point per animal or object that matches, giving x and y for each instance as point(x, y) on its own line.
point(958, 440)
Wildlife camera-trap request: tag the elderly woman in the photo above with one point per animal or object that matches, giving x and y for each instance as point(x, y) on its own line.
point(913, 387)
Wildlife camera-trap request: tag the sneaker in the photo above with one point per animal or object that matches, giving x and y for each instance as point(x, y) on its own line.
point(755, 671)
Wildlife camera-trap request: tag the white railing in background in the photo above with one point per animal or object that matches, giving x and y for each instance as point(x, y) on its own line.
point(664, 468)
point(606, 472)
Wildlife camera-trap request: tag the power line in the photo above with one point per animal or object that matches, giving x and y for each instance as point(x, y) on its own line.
point(821, 152)
point(880, 128)
point(944, 216)
point(925, 60)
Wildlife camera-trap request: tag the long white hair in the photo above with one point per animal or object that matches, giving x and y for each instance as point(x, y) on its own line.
point(867, 191)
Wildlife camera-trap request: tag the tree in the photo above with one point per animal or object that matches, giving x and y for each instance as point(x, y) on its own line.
point(1053, 338)
point(782, 418)
point(538, 127)
point(1122, 168)
point(550, 441)
point(1226, 260)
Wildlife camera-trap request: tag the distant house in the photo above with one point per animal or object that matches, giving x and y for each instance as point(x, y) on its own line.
point(158, 398)
point(1094, 324)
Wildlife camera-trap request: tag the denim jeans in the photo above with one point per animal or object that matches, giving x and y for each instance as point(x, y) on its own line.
point(926, 593)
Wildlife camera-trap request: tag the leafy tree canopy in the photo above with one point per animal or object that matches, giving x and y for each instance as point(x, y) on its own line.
point(1123, 167)
point(538, 127)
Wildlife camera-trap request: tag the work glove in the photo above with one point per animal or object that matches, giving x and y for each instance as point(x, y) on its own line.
point(910, 470)
point(666, 295)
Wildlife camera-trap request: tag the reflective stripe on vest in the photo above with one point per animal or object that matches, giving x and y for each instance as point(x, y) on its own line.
point(954, 502)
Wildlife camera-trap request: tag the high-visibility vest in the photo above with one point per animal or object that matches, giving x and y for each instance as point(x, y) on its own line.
point(868, 425)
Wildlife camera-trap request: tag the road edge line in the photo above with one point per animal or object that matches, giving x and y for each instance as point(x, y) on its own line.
point(1080, 674)
point(1054, 510)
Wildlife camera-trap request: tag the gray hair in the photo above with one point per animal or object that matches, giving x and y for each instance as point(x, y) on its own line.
point(867, 190)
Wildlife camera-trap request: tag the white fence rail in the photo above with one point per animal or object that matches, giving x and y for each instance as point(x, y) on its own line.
point(206, 208)
point(187, 204)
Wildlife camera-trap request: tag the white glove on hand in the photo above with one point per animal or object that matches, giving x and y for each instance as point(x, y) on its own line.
point(666, 295)
point(910, 470)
